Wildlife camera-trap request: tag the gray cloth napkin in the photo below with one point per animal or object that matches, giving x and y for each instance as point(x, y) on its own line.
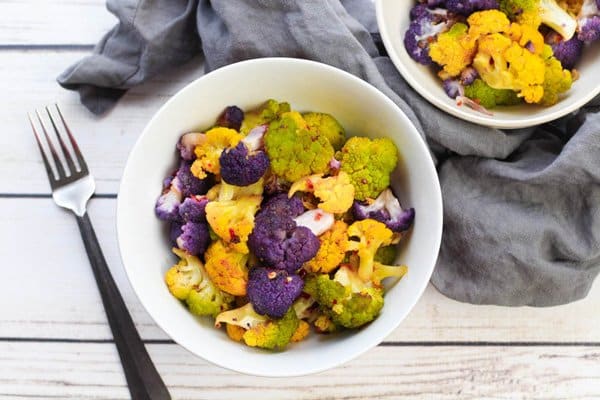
point(521, 208)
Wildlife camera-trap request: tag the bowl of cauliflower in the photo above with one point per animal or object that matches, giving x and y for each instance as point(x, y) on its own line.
point(501, 63)
point(297, 225)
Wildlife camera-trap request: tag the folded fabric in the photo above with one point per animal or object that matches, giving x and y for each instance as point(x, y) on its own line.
point(521, 207)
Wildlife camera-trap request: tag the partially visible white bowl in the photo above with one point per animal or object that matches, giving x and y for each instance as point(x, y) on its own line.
point(393, 20)
point(307, 85)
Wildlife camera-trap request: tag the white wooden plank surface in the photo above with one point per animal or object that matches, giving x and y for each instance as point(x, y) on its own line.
point(91, 371)
point(28, 79)
point(53, 22)
point(62, 300)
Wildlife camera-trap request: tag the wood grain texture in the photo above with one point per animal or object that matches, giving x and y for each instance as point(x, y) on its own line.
point(62, 300)
point(92, 371)
point(27, 22)
point(28, 79)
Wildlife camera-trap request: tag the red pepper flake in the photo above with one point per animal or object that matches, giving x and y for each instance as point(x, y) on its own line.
point(233, 237)
point(309, 184)
point(318, 216)
point(272, 275)
point(288, 279)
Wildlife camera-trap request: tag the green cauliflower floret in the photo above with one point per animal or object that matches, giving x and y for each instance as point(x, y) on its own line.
point(264, 114)
point(369, 164)
point(489, 97)
point(295, 151)
point(556, 79)
point(325, 125)
point(347, 300)
point(260, 330)
point(188, 281)
point(273, 334)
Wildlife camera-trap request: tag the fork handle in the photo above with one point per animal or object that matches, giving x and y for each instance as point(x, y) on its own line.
point(142, 377)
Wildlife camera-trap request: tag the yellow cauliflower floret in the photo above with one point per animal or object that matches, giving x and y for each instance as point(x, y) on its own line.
point(504, 64)
point(227, 268)
point(487, 22)
point(454, 49)
point(371, 236)
point(333, 247)
point(208, 153)
point(335, 192)
point(233, 220)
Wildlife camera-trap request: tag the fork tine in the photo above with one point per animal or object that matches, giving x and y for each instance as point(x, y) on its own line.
point(59, 168)
point(64, 149)
point(46, 163)
point(82, 165)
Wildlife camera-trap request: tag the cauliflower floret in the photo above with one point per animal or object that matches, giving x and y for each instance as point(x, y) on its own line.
point(347, 300)
point(274, 334)
point(209, 151)
point(426, 24)
point(504, 64)
point(233, 220)
point(372, 235)
point(489, 97)
point(454, 50)
point(335, 192)
point(260, 331)
point(386, 208)
point(272, 292)
point(277, 240)
point(264, 114)
point(294, 151)
point(189, 281)
point(231, 118)
point(333, 248)
point(326, 125)
point(227, 268)
point(369, 164)
point(242, 168)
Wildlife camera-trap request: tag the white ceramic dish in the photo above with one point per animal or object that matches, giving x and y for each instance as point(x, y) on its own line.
point(307, 85)
point(393, 20)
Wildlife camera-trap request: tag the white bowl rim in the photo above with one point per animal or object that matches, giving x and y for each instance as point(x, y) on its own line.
point(505, 123)
point(323, 365)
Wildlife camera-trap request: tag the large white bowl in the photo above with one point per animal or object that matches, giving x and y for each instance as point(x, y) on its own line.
point(307, 85)
point(393, 20)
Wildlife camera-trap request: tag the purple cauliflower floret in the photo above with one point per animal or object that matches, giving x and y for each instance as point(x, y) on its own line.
point(188, 142)
point(231, 118)
point(282, 206)
point(190, 185)
point(423, 30)
point(277, 240)
point(386, 209)
point(272, 291)
point(194, 238)
point(241, 168)
point(193, 209)
point(588, 21)
point(568, 52)
point(467, 7)
point(468, 76)
point(453, 88)
point(167, 205)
